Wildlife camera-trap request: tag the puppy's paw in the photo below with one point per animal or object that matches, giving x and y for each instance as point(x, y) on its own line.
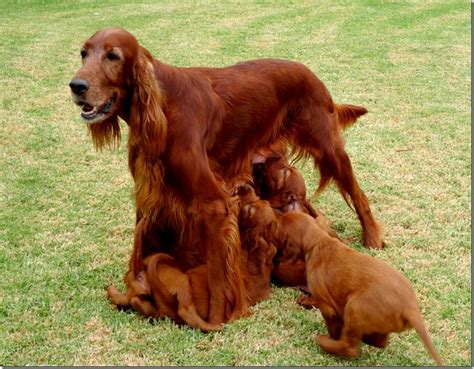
point(112, 292)
point(214, 327)
point(336, 347)
point(306, 301)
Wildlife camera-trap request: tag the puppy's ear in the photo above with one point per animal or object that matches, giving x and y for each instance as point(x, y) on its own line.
point(256, 259)
point(249, 209)
point(243, 190)
point(273, 158)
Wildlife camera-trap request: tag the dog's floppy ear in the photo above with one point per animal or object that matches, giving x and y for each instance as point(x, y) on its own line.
point(257, 256)
point(148, 133)
point(148, 125)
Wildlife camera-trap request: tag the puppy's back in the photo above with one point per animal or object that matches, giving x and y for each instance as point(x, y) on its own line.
point(345, 270)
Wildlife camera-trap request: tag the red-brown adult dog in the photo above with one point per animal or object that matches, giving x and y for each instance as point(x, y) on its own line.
point(193, 129)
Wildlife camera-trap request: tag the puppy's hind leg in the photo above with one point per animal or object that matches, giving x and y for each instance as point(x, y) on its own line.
point(144, 307)
point(346, 346)
point(348, 343)
point(117, 298)
point(186, 308)
point(334, 327)
point(379, 340)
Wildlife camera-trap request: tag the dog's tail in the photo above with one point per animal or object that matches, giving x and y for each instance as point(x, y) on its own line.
point(348, 114)
point(416, 321)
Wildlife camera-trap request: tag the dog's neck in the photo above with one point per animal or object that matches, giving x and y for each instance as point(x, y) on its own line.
point(320, 243)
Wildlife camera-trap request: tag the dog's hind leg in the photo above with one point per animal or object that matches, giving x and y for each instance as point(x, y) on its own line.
point(318, 138)
point(334, 163)
point(337, 164)
point(379, 340)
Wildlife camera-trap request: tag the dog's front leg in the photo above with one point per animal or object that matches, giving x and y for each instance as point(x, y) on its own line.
point(222, 240)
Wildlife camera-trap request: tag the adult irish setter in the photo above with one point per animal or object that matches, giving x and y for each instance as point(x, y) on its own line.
point(192, 133)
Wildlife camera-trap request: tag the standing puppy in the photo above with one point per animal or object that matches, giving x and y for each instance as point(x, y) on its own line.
point(361, 298)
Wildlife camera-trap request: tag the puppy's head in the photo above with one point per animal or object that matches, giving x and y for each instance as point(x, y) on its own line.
point(292, 202)
point(274, 172)
point(294, 183)
point(256, 214)
point(280, 176)
point(246, 194)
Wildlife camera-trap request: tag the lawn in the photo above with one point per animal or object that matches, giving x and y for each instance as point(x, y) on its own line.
point(67, 216)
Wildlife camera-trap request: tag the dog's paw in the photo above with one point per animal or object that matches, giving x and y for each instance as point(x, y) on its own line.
point(306, 301)
point(373, 241)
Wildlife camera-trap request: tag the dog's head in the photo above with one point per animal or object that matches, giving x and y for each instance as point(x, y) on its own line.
point(101, 85)
point(117, 79)
point(281, 177)
point(246, 194)
point(256, 214)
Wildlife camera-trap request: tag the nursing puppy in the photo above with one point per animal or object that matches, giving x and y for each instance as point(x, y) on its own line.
point(288, 266)
point(166, 290)
point(185, 296)
point(285, 189)
point(360, 298)
point(283, 186)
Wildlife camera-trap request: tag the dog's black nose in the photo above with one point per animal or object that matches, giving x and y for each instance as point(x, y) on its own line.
point(79, 86)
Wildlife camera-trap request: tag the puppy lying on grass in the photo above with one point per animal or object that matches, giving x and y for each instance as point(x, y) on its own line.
point(164, 289)
point(360, 297)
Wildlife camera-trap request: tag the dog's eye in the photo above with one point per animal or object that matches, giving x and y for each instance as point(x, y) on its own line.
point(112, 56)
point(83, 54)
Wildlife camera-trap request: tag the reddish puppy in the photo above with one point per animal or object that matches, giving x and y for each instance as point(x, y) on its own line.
point(361, 298)
point(165, 290)
point(193, 129)
point(285, 189)
point(262, 221)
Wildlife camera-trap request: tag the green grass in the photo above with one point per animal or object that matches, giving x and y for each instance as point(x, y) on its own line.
point(67, 217)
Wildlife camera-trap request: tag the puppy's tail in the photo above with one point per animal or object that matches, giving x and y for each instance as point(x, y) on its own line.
point(348, 114)
point(417, 323)
point(151, 264)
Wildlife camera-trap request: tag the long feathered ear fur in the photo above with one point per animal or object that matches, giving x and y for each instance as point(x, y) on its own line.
point(148, 125)
point(148, 129)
